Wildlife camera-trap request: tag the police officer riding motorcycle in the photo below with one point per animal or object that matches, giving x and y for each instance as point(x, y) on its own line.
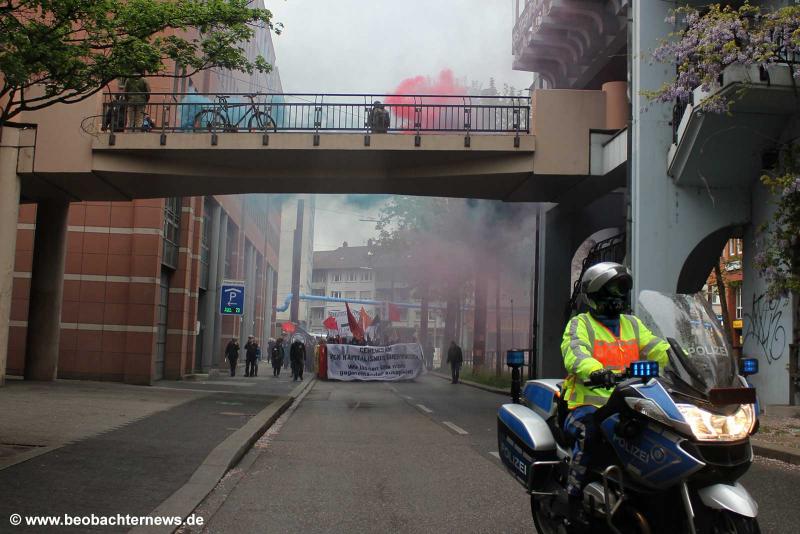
point(596, 345)
point(649, 432)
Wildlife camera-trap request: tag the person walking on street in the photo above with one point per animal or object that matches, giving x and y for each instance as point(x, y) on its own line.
point(232, 354)
point(251, 357)
point(297, 355)
point(455, 358)
point(277, 357)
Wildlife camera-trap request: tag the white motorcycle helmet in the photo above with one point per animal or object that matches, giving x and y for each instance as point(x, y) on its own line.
point(606, 289)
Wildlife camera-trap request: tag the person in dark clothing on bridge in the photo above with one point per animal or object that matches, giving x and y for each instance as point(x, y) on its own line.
point(378, 120)
point(297, 356)
point(232, 354)
point(252, 350)
point(455, 358)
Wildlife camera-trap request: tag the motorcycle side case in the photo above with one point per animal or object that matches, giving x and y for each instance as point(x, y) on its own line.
point(524, 441)
point(541, 396)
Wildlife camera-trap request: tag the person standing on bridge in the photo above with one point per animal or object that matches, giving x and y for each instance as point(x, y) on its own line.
point(232, 354)
point(137, 97)
point(378, 119)
point(455, 358)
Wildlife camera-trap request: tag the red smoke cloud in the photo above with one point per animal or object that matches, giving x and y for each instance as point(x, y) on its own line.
point(407, 110)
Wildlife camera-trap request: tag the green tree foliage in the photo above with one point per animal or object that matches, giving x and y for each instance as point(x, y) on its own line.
point(64, 51)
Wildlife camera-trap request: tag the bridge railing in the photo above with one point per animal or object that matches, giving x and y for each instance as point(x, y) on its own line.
point(304, 112)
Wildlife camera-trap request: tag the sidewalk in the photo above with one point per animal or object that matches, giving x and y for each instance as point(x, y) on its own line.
point(81, 448)
point(778, 436)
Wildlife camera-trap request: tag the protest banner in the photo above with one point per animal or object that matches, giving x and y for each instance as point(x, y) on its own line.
point(402, 361)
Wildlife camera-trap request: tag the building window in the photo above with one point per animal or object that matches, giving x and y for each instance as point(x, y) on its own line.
point(366, 295)
point(738, 246)
point(337, 276)
point(349, 294)
point(336, 294)
point(318, 292)
point(351, 276)
point(366, 276)
point(318, 276)
point(714, 296)
point(739, 302)
point(731, 247)
point(172, 232)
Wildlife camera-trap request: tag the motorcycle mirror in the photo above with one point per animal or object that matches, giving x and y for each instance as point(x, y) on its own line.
point(644, 369)
point(748, 366)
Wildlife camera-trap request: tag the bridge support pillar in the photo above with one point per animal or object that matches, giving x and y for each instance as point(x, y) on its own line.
point(211, 311)
point(47, 288)
point(222, 246)
point(563, 231)
point(9, 211)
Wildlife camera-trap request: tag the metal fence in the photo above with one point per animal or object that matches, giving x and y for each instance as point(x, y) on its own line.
point(273, 113)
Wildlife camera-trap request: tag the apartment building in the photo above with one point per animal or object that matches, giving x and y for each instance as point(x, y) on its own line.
point(363, 274)
point(142, 278)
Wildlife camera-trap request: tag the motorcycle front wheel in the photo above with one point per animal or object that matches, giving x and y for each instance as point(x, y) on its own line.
point(726, 522)
point(543, 518)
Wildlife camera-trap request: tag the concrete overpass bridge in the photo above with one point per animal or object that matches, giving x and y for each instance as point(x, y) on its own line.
point(233, 143)
point(560, 146)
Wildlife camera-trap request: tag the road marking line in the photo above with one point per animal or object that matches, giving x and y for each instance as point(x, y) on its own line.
point(495, 454)
point(424, 408)
point(407, 397)
point(455, 428)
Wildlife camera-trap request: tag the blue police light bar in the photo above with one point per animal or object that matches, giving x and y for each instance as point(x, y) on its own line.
point(644, 369)
point(748, 366)
point(515, 358)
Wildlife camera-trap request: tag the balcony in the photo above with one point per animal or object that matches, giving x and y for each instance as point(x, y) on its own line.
point(570, 42)
point(764, 101)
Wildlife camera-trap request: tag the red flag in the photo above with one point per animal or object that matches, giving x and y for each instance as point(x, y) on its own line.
point(394, 312)
point(289, 327)
point(366, 322)
point(330, 323)
point(355, 328)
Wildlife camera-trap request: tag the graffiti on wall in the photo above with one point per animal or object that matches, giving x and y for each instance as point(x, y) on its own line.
point(764, 326)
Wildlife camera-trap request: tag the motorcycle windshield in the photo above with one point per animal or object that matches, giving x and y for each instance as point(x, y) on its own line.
point(703, 360)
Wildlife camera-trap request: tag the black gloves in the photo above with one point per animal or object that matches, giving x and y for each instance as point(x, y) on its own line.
point(604, 378)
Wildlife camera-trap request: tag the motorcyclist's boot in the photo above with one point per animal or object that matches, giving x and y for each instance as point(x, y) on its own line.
point(576, 518)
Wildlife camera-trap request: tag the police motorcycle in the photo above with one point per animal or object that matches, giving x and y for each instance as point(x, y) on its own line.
point(673, 444)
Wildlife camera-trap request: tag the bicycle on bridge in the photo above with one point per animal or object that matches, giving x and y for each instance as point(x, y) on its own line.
point(231, 117)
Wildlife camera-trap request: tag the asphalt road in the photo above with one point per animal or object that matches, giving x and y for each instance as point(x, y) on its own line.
point(408, 457)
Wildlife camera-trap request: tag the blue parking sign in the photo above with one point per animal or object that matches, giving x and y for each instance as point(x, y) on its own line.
point(231, 301)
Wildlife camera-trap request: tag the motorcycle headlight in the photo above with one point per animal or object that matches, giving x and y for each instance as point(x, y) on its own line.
point(707, 426)
point(647, 408)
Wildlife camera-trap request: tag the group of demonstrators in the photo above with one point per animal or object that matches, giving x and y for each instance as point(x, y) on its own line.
point(277, 356)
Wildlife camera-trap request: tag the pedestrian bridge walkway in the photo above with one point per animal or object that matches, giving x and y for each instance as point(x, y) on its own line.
point(131, 146)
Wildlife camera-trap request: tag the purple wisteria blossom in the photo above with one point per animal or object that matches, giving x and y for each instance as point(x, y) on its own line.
point(710, 42)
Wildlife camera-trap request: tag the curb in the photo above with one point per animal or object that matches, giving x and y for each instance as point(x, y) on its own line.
point(476, 385)
point(776, 452)
point(224, 457)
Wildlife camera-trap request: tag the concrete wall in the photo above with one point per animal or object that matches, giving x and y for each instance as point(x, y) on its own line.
point(561, 122)
point(767, 328)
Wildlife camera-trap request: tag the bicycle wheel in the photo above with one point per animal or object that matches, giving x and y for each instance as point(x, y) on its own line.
point(261, 121)
point(210, 120)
